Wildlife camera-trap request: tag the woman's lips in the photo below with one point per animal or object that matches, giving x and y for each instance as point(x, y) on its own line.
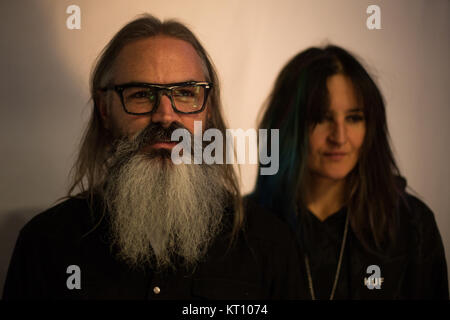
point(335, 155)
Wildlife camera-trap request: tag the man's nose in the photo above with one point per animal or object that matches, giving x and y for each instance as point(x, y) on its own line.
point(338, 134)
point(164, 113)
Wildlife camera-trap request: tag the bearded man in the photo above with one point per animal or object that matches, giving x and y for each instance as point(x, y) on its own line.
point(140, 226)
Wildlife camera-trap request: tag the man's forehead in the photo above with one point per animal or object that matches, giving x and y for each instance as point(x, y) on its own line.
point(158, 59)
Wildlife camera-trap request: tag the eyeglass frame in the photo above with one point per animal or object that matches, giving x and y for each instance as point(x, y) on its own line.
point(161, 87)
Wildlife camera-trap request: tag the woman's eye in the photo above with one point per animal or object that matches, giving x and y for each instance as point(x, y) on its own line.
point(355, 118)
point(326, 118)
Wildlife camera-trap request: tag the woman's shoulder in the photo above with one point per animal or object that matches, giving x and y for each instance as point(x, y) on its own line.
point(411, 206)
point(427, 262)
point(415, 209)
point(421, 221)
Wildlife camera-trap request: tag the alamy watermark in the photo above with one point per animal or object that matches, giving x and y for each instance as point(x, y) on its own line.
point(74, 280)
point(374, 20)
point(213, 152)
point(73, 21)
point(375, 280)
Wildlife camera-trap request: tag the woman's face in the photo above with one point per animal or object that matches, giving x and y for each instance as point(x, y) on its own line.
point(335, 143)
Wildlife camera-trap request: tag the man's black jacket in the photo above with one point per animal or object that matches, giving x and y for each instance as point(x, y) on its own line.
point(263, 263)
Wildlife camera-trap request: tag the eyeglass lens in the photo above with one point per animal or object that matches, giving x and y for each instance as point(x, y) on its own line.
point(144, 99)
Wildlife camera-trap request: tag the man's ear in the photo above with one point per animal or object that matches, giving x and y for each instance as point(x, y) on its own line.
point(101, 103)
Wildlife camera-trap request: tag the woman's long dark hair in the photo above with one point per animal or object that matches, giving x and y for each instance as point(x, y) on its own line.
point(299, 101)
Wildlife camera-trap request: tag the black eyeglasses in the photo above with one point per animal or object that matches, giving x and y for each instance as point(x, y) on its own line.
point(143, 98)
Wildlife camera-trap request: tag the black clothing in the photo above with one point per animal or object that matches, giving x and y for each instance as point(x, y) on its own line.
point(322, 241)
point(415, 267)
point(263, 264)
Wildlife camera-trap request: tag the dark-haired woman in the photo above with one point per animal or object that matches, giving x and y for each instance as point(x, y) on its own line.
point(361, 235)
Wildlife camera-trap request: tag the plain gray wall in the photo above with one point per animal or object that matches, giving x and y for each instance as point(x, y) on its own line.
point(45, 71)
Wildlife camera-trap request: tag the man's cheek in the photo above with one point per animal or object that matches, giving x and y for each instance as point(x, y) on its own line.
point(128, 129)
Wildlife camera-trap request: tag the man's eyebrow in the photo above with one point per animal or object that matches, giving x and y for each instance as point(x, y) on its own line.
point(167, 83)
point(192, 80)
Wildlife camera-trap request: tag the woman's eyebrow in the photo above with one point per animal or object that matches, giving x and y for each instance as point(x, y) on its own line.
point(354, 110)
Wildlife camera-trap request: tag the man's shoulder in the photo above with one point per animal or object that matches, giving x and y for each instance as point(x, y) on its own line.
point(66, 218)
point(264, 225)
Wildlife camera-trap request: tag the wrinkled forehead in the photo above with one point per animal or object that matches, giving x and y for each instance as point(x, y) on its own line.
point(158, 59)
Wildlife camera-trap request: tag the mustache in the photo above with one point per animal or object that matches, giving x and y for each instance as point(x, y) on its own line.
point(125, 147)
point(155, 132)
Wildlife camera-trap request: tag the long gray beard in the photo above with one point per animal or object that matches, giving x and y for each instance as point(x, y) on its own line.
point(161, 212)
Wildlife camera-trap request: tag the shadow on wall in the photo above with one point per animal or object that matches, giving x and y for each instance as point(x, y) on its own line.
point(10, 226)
point(39, 108)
